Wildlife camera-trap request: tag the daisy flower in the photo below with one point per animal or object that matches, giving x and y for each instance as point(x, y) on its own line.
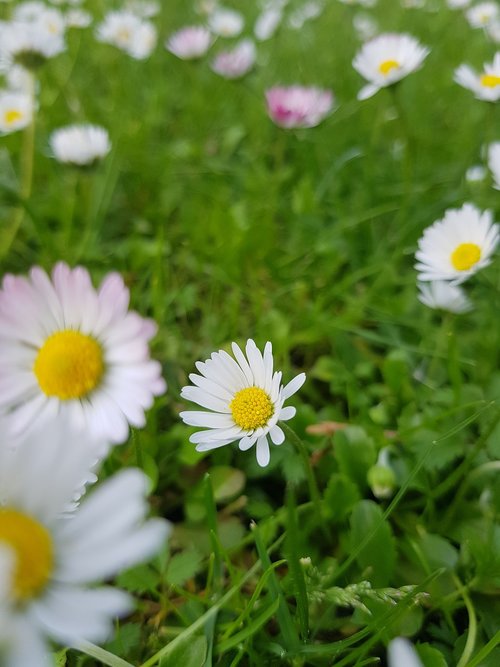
point(78, 18)
point(69, 349)
point(31, 44)
point(244, 399)
point(494, 163)
point(237, 62)
point(475, 174)
point(386, 59)
point(443, 295)
point(189, 43)
point(458, 4)
point(226, 22)
point(483, 14)
point(16, 111)
point(298, 106)
point(457, 246)
point(52, 560)
point(267, 23)
point(80, 145)
point(400, 653)
point(128, 32)
point(486, 85)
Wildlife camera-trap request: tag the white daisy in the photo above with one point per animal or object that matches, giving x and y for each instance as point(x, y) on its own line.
point(69, 349)
point(55, 558)
point(245, 398)
point(226, 22)
point(267, 23)
point(475, 174)
point(78, 18)
point(484, 85)
point(189, 43)
point(457, 246)
point(365, 26)
point(128, 32)
point(400, 653)
point(458, 4)
point(16, 111)
point(494, 163)
point(237, 62)
point(31, 44)
point(81, 145)
point(483, 14)
point(146, 9)
point(386, 59)
point(443, 295)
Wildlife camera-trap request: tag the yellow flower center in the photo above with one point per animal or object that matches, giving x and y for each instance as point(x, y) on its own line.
point(123, 35)
point(387, 66)
point(32, 549)
point(490, 80)
point(465, 256)
point(69, 365)
point(12, 115)
point(251, 408)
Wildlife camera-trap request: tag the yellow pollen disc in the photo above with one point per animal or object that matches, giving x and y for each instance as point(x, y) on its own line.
point(387, 66)
point(12, 115)
point(251, 408)
point(123, 35)
point(490, 80)
point(465, 256)
point(69, 365)
point(32, 549)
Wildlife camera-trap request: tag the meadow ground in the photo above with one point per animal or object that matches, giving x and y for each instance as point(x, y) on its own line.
point(378, 516)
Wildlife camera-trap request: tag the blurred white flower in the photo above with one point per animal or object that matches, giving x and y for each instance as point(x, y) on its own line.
point(31, 44)
point(306, 12)
point(386, 59)
point(129, 33)
point(475, 173)
point(442, 295)
point(457, 246)
point(458, 4)
point(78, 18)
point(493, 31)
point(237, 62)
point(484, 85)
point(80, 145)
point(267, 23)
point(400, 653)
point(365, 25)
point(298, 106)
point(145, 9)
point(483, 14)
point(189, 43)
point(494, 163)
point(16, 111)
point(226, 22)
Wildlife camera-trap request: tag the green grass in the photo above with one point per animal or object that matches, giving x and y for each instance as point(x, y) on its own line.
point(226, 227)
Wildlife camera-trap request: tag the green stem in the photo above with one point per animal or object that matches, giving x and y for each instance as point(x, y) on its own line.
point(472, 633)
point(26, 177)
point(311, 479)
point(104, 657)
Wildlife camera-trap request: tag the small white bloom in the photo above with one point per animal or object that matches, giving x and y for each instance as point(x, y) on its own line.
point(237, 62)
point(484, 85)
point(19, 79)
point(244, 399)
point(366, 26)
point(29, 11)
point(400, 653)
point(483, 14)
point(145, 9)
point(267, 23)
point(475, 174)
point(189, 43)
point(78, 18)
point(457, 246)
point(306, 12)
point(458, 4)
point(80, 145)
point(493, 31)
point(226, 22)
point(494, 163)
point(31, 44)
point(69, 349)
point(386, 59)
point(129, 33)
point(442, 295)
point(55, 559)
point(16, 111)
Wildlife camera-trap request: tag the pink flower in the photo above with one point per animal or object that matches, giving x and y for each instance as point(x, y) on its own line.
point(237, 62)
point(189, 43)
point(298, 106)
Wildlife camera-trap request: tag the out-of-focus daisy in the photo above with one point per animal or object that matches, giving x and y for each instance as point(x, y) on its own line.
point(494, 163)
point(483, 14)
point(19, 79)
point(52, 561)
point(226, 22)
point(16, 111)
point(206, 7)
point(146, 9)
point(245, 400)
point(298, 106)
point(484, 85)
point(189, 43)
point(81, 145)
point(475, 174)
point(306, 12)
point(458, 4)
point(366, 26)
point(400, 653)
point(128, 32)
point(237, 62)
point(30, 44)
point(29, 11)
point(457, 246)
point(69, 349)
point(493, 31)
point(267, 23)
point(442, 295)
point(386, 59)
point(78, 18)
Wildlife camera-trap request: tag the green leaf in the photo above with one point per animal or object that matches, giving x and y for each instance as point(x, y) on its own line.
point(183, 566)
point(227, 483)
point(189, 654)
point(341, 494)
point(430, 657)
point(355, 453)
point(438, 551)
point(378, 556)
point(140, 579)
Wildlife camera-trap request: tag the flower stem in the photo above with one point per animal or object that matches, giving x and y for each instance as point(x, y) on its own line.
point(472, 633)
